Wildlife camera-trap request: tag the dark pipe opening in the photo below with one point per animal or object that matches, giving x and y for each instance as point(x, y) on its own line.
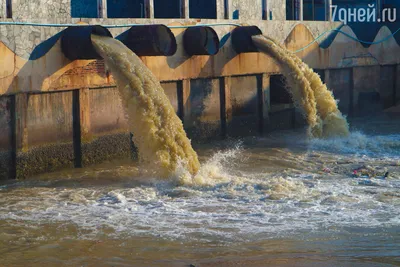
point(150, 40)
point(76, 42)
point(201, 41)
point(241, 39)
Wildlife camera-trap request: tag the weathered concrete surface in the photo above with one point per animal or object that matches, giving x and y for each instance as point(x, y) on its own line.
point(244, 102)
point(49, 118)
point(44, 133)
point(246, 10)
point(171, 90)
point(106, 135)
point(49, 70)
point(278, 9)
point(202, 109)
point(106, 111)
point(340, 81)
point(40, 9)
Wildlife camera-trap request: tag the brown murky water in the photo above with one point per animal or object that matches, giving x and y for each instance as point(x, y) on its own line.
point(279, 200)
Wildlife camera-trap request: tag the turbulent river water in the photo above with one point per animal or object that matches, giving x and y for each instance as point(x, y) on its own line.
point(277, 200)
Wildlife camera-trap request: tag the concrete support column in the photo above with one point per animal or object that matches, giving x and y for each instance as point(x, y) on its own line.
point(225, 103)
point(220, 9)
point(328, 10)
point(266, 99)
point(185, 7)
point(301, 10)
point(21, 118)
point(186, 102)
point(84, 110)
point(229, 9)
point(150, 8)
point(103, 8)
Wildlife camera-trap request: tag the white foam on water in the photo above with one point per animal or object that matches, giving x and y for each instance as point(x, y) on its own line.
point(361, 144)
point(223, 203)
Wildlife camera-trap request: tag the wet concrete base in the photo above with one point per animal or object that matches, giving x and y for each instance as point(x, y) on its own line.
point(44, 159)
point(108, 147)
point(49, 158)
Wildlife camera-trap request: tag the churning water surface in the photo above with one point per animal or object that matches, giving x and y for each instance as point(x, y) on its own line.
point(278, 200)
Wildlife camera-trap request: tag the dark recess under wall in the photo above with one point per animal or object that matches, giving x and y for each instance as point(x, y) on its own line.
point(279, 94)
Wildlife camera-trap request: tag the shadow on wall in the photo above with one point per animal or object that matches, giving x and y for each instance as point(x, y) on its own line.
point(217, 63)
point(220, 58)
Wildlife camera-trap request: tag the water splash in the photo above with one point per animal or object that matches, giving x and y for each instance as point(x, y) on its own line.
point(158, 132)
point(309, 93)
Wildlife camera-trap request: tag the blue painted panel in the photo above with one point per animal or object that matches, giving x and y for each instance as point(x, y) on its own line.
point(126, 9)
point(84, 8)
point(203, 9)
point(167, 9)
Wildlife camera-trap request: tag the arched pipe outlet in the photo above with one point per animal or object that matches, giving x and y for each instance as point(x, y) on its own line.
point(241, 39)
point(201, 41)
point(76, 42)
point(150, 40)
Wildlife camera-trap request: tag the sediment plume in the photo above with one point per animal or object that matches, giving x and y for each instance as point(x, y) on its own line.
point(308, 91)
point(157, 131)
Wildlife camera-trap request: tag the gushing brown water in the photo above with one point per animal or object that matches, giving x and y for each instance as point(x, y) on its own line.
point(308, 91)
point(157, 131)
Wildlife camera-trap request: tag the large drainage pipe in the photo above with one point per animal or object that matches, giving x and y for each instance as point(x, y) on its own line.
point(201, 41)
point(76, 42)
point(150, 40)
point(241, 39)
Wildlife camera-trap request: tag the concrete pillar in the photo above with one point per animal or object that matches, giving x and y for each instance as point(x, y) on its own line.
point(185, 4)
point(84, 112)
point(21, 116)
point(301, 7)
point(220, 9)
point(150, 9)
point(328, 10)
point(104, 8)
point(226, 103)
point(229, 9)
point(266, 89)
point(186, 102)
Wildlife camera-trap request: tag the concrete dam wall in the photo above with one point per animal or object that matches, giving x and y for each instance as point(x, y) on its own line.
point(57, 113)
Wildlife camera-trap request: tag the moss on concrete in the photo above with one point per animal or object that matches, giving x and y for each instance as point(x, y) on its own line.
point(107, 147)
point(44, 159)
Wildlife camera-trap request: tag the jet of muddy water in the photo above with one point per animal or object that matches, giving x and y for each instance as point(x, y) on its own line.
point(309, 93)
point(157, 131)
